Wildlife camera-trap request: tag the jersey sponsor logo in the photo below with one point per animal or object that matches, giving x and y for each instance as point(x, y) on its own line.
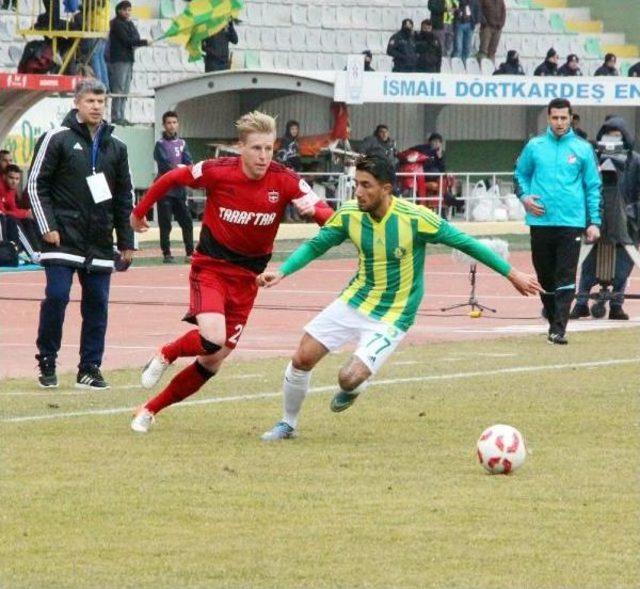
point(246, 217)
point(273, 196)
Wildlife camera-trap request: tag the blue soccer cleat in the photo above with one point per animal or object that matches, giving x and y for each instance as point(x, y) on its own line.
point(342, 401)
point(280, 431)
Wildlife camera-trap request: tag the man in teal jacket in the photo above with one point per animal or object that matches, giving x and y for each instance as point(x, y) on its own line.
point(560, 187)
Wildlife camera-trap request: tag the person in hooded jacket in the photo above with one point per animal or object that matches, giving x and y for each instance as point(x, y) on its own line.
point(627, 164)
point(511, 67)
point(549, 67)
point(402, 48)
point(429, 49)
point(571, 67)
point(80, 190)
point(289, 150)
point(608, 68)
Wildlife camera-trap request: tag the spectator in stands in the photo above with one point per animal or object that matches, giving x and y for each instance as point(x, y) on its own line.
point(17, 224)
point(577, 129)
point(608, 68)
point(380, 142)
point(170, 152)
point(634, 70)
point(402, 48)
point(289, 149)
point(97, 20)
point(216, 48)
point(442, 19)
point(429, 49)
point(123, 40)
point(549, 67)
point(465, 18)
point(368, 57)
point(571, 67)
point(5, 159)
point(511, 67)
point(493, 17)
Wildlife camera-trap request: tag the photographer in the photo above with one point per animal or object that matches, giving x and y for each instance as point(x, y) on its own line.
point(620, 167)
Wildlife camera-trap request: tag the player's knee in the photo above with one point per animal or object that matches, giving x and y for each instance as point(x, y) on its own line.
point(302, 361)
point(211, 345)
point(351, 377)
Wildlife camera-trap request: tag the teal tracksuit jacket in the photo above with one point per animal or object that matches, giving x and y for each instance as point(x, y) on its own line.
point(563, 172)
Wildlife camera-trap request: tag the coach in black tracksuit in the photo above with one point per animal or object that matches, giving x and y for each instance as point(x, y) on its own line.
point(80, 190)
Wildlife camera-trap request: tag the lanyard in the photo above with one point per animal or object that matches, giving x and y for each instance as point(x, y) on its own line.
point(95, 146)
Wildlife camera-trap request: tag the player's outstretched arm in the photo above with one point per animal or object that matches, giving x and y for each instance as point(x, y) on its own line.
point(181, 176)
point(269, 279)
point(525, 284)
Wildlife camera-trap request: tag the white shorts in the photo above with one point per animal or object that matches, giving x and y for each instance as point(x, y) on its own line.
point(339, 324)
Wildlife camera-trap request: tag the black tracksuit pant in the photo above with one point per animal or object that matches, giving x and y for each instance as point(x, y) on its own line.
point(555, 252)
point(169, 207)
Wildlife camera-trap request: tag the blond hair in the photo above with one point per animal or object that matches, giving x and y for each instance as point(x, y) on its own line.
point(255, 122)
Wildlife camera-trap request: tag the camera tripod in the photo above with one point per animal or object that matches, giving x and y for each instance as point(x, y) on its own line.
point(476, 307)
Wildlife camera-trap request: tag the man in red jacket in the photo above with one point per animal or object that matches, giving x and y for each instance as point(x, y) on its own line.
point(246, 200)
point(17, 224)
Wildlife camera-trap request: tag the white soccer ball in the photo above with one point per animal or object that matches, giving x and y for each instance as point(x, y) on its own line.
point(501, 449)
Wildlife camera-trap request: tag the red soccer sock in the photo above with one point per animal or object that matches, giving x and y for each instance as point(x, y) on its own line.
point(183, 385)
point(189, 345)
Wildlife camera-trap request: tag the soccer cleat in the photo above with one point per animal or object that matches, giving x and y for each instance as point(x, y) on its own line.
point(617, 314)
point(142, 420)
point(557, 339)
point(280, 431)
point(342, 401)
point(91, 378)
point(579, 310)
point(168, 259)
point(47, 378)
point(153, 371)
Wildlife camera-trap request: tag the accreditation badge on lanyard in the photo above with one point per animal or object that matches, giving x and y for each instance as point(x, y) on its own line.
point(98, 185)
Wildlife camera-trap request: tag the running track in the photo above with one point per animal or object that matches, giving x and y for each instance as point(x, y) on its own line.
point(147, 305)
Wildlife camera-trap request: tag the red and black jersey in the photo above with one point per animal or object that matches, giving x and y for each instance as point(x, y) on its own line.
point(242, 215)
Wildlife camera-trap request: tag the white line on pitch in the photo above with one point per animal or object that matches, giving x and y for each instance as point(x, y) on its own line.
point(125, 387)
point(324, 389)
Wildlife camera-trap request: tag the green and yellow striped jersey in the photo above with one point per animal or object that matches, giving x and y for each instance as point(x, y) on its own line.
point(389, 284)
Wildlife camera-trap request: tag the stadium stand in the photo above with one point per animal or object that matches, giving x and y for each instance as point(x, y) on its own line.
point(302, 35)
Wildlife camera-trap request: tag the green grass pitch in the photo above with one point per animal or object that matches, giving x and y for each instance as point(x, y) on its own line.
point(388, 494)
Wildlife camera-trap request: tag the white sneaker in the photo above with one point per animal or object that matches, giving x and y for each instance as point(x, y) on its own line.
point(153, 371)
point(142, 421)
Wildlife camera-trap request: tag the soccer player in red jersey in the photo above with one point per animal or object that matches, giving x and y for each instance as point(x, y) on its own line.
point(246, 200)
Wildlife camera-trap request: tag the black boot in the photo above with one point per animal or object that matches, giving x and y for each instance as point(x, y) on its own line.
point(617, 314)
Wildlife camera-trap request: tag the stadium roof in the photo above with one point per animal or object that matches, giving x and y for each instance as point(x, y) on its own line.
point(19, 92)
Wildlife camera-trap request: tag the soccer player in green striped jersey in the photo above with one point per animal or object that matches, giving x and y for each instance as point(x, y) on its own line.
point(380, 302)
